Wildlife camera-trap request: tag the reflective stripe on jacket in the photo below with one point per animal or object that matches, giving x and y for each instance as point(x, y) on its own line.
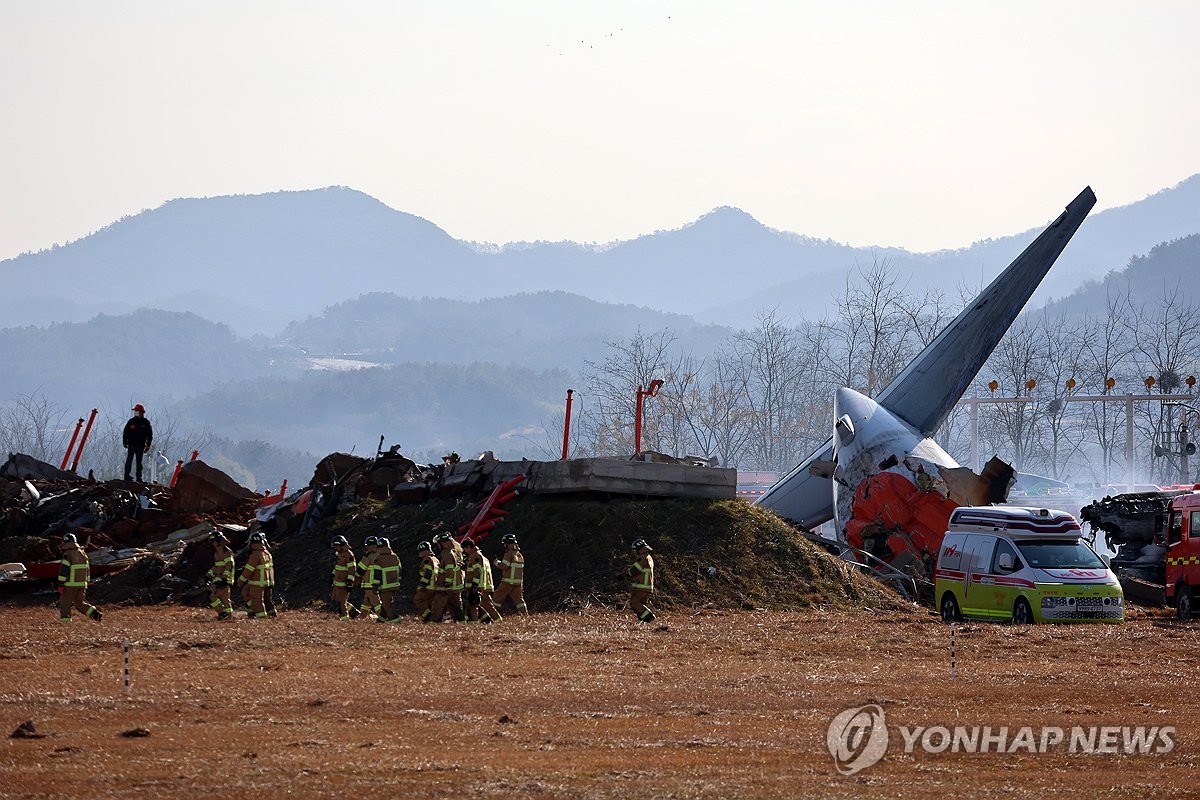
point(73, 575)
point(479, 573)
point(223, 567)
point(643, 574)
point(368, 577)
point(513, 568)
point(388, 573)
point(452, 576)
point(343, 569)
point(262, 573)
point(430, 569)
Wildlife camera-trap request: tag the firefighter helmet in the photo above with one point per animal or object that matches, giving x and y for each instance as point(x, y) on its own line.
point(508, 538)
point(217, 536)
point(469, 543)
point(384, 542)
point(371, 541)
point(424, 547)
point(70, 538)
point(339, 541)
point(441, 537)
point(639, 544)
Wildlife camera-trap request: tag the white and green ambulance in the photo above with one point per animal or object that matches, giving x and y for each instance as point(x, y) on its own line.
point(1026, 565)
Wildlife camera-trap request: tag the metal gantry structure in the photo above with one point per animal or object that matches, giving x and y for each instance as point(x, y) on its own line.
point(1184, 400)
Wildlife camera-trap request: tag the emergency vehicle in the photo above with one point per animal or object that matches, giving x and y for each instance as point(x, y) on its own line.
point(1025, 565)
point(1183, 554)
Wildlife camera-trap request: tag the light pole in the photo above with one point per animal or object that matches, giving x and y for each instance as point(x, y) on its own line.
point(1186, 446)
point(655, 385)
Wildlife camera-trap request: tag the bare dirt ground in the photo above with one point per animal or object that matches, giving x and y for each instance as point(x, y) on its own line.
point(699, 704)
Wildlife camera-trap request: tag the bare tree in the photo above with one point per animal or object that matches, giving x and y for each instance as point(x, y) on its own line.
point(32, 424)
point(1063, 354)
point(770, 371)
point(1166, 337)
point(1013, 427)
point(612, 385)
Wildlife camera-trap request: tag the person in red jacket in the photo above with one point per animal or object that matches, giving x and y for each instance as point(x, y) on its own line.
point(137, 438)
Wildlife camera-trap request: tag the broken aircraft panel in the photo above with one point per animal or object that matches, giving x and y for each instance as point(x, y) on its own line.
point(894, 488)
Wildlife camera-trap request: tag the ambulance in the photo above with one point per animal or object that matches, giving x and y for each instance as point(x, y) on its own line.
point(1025, 565)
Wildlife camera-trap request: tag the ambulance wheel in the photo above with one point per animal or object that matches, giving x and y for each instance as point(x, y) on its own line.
point(950, 612)
point(1022, 613)
point(1185, 603)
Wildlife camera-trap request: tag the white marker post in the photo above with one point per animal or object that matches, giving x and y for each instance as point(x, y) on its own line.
point(953, 671)
point(126, 667)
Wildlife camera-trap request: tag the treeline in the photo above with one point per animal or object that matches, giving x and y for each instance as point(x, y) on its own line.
point(763, 400)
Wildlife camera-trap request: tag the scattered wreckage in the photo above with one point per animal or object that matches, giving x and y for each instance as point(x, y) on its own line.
point(149, 543)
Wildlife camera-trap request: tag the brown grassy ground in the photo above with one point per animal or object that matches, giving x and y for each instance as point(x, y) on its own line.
point(700, 704)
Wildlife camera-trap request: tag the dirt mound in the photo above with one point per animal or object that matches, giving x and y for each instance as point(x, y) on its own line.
point(723, 554)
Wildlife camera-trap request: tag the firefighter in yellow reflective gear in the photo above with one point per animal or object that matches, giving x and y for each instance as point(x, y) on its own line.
point(450, 581)
point(479, 585)
point(388, 564)
point(512, 575)
point(257, 575)
point(641, 571)
point(427, 580)
point(344, 569)
point(220, 577)
point(368, 577)
point(269, 589)
point(74, 571)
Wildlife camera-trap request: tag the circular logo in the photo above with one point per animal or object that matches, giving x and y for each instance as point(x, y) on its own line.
point(857, 738)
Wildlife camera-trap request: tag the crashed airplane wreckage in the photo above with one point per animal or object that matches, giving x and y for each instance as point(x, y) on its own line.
point(886, 484)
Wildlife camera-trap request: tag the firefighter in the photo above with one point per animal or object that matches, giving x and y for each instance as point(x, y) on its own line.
point(641, 571)
point(269, 589)
point(479, 585)
point(344, 567)
point(220, 577)
point(387, 564)
point(512, 575)
point(74, 571)
point(368, 578)
point(427, 579)
point(450, 580)
point(257, 576)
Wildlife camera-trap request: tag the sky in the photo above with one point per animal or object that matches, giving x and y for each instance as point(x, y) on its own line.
point(923, 124)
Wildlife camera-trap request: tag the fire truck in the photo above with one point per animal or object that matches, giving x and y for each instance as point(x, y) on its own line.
point(1156, 539)
point(1182, 569)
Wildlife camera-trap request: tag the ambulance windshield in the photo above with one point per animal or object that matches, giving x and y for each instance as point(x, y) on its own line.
point(1059, 554)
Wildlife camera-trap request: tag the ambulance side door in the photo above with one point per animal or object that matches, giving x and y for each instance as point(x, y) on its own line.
point(978, 585)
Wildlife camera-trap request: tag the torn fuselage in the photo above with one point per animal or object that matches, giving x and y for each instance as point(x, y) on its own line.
point(894, 489)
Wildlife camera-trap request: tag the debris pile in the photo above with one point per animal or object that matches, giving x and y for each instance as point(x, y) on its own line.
point(148, 543)
point(135, 532)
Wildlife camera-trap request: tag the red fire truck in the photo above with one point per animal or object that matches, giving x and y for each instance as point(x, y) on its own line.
point(1183, 554)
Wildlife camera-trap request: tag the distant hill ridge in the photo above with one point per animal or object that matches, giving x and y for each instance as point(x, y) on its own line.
point(256, 262)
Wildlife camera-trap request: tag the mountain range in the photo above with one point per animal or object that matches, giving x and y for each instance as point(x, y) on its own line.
point(320, 320)
point(258, 262)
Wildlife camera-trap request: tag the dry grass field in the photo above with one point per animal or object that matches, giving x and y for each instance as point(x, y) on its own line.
point(698, 704)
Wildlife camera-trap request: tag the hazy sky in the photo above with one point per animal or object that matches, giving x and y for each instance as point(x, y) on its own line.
point(918, 124)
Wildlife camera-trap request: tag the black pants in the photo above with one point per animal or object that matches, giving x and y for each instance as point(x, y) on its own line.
point(130, 454)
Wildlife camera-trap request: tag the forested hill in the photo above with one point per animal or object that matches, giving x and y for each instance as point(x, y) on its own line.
point(1166, 276)
point(140, 357)
point(536, 330)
